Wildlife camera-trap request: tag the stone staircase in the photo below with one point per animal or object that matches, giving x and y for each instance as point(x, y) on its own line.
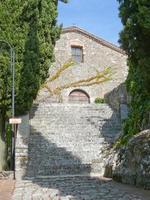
point(68, 139)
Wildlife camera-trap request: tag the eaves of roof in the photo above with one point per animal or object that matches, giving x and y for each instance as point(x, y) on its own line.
point(93, 37)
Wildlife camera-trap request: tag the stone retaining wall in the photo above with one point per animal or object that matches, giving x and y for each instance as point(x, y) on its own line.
point(131, 164)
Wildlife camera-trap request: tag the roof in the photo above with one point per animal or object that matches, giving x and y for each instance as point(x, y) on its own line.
point(93, 37)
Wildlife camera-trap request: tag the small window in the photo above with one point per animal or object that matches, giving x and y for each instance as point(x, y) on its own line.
point(77, 53)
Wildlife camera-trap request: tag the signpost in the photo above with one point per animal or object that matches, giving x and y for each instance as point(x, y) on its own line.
point(15, 120)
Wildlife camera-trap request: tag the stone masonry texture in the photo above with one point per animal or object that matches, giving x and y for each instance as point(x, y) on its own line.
point(76, 188)
point(68, 139)
point(97, 57)
point(64, 154)
point(133, 162)
point(60, 146)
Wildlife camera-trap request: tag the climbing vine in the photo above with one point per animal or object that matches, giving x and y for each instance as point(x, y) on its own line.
point(99, 77)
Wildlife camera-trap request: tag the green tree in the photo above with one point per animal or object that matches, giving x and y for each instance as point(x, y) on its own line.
point(5, 100)
point(31, 28)
point(39, 21)
point(5, 87)
point(135, 40)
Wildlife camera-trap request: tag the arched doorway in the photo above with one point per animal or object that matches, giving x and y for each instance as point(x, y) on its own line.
point(79, 96)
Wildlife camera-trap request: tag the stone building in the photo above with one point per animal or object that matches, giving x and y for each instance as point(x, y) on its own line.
point(65, 138)
point(82, 81)
point(62, 149)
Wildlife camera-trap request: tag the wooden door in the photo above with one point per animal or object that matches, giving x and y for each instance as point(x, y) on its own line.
point(79, 96)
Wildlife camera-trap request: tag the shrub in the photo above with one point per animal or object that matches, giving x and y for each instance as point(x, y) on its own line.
point(99, 100)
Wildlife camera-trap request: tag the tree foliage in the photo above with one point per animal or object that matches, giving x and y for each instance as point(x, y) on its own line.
point(135, 40)
point(39, 21)
point(31, 29)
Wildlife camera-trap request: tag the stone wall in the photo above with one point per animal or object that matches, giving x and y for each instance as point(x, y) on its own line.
point(21, 155)
point(97, 57)
point(131, 164)
point(117, 96)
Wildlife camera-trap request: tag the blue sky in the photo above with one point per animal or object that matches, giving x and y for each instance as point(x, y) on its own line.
point(99, 17)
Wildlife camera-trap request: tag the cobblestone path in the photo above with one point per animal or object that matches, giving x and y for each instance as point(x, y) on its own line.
point(77, 188)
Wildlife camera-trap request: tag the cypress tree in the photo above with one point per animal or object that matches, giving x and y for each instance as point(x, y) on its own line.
point(31, 28)
point(40, 19)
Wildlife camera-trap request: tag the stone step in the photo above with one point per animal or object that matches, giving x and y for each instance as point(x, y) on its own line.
point(73, 126)
point(82, 114)
point(68, 181)
point(76, 132)
point(53, 109)
point(64, 169)
point(71, 148)
point(68, 138)
point(60, 169)
point(78, 136)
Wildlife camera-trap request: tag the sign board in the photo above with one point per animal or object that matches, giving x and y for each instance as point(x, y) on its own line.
point(15, 120)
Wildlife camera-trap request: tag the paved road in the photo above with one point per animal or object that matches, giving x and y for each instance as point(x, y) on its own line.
point(6, 189)
point(77, 188)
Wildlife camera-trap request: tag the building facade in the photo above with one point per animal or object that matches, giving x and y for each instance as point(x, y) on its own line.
point(86, 68)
